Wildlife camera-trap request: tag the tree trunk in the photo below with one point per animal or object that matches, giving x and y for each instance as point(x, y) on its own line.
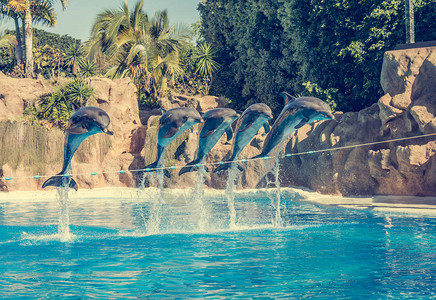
point(410, 22)
point(23, 35)
point(29, 39)
point(19, 47)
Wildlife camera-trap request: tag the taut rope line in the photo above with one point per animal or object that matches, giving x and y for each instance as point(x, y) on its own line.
point(235, 161)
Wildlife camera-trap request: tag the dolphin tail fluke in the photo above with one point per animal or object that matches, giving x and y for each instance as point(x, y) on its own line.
point(192, 166)
point(60, 181)
point(259, 156)
point(228, 165)
point(152, 168)
point(222, 167)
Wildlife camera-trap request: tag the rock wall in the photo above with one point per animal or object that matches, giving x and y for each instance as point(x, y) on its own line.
point(28, 149)
point(407, 109)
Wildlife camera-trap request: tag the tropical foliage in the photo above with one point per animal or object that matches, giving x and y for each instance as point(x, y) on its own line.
point(147, 50)
point(7, 49)
point(74, 57)
point(61, 42)
point(88, 68)
point(57, 107)
point(49, 61)
point(267, 46)
point(30, 12)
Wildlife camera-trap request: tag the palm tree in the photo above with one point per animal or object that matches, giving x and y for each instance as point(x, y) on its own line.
point(7, 41)
point(32, 11)
point(88, 68)
point(147, 51)
point(206, 63)
point(7, 12)
point(74, 57)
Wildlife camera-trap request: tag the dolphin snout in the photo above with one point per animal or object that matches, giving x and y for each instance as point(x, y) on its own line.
point(104, 129)
point(108, 132)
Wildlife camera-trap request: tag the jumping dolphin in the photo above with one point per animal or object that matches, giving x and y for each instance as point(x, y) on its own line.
point(217, 121)
point(172, 124)
point(254, 117)
point(85, 122)
point(296, 113)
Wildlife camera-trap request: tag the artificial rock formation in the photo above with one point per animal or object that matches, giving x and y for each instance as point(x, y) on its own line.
point(407, 109)
point(407, 167)
point(16, 94)
point(28, 149)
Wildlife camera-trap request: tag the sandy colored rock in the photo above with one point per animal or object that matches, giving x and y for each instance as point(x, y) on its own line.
point(18, 93)
point(206, 103)
point(422, 117)
point(402, 168)
point(407, 109)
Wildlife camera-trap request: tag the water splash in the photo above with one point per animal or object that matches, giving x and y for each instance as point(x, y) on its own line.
point(64, 211)
point(155, 216)
point(230, 195)
point(198, 197)
point(277, 221)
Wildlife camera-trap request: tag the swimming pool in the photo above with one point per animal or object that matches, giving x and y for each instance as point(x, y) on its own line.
point(316, 251)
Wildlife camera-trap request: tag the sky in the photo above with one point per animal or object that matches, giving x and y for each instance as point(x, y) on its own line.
point(78, 17)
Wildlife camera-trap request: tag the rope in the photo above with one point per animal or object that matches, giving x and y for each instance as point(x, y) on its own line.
point(8, 178)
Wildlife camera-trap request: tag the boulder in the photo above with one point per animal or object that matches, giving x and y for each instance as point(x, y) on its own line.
point(18, 93)
point(398, 168)
point(206, 103)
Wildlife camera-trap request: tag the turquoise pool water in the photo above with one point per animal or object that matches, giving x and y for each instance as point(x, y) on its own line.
point(316, 252)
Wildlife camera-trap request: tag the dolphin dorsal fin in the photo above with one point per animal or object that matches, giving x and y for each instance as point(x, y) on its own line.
point(288, 98)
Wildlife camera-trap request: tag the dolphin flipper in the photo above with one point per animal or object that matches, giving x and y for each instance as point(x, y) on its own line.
point(266, 127)
point(190, 167)
point(229, 133)
point(60, 181)
point(227, 165)
point(171, 132)
point(79, 129)
point(302, 123)
point(207, 133)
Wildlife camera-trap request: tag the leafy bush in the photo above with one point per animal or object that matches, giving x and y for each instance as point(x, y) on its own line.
point(146, 102)
point(49, 61)
point(88, 69)
point(329, 95)
point(57, 107)
point(268, 46)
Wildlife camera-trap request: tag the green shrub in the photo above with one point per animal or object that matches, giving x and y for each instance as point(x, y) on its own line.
point(57, 107)
point(330, 96)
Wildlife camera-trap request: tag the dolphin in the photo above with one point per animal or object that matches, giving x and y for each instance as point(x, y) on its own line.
point(254, 117)
point(296, 113)
point(217, 121)
point(84, 122)
point(172, 124)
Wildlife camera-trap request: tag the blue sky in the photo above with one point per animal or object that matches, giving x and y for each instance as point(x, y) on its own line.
point(77, 19)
